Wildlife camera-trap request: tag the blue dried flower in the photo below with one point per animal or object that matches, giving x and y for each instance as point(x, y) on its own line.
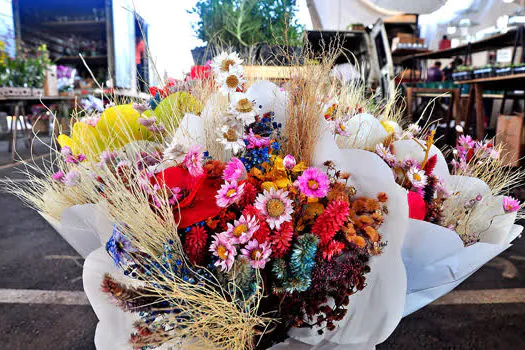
point(119, 246)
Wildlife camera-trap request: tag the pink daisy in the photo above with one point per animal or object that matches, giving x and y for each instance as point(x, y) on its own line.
point(386, 155)
point(235, 170)
point(510, 204)
point(242, 230)
point(193, 161)
point(229, 193)
point(224, 250)
point(313, 183)
point(289, 162)
point(257, 254)
point(466, 141)
point(58, 176)
point(275, 206)
point(256, 141)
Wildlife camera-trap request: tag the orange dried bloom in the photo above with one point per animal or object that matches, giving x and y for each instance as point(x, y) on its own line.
point(363, 221)
point(357, 240)
point(382, 197)
point(372, 233)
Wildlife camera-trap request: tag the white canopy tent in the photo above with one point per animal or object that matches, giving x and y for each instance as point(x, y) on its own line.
point(435, 15)
point(338, 14)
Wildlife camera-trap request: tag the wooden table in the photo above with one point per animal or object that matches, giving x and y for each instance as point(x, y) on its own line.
point(506, 83)
point(453, 111)
point(15, 106)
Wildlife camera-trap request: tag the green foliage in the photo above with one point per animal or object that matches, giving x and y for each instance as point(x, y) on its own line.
point(243, 23)
point(25, 72)
point(243, 275)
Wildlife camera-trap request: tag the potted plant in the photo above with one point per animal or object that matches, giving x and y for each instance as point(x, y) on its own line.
point(462, 73)
point(261, 31)
point(24, 76)
point(485, 71)
point(518, 68)
point(356, 27)
point(505, 70)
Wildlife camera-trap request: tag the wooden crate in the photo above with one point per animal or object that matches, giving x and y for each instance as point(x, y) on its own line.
point(510, 133)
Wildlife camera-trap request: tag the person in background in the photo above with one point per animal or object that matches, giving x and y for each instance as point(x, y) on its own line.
point(452, 66)
point(444, 43)
point(140, 50)
point(434, 72)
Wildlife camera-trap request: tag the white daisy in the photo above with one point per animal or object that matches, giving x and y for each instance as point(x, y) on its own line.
point(244, 108)
point(417, 177)
point(229, 83)
point(227, 63)
point(231, 137)
point(175, 151)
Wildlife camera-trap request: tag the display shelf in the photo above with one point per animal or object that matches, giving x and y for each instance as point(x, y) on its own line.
point(492, 79)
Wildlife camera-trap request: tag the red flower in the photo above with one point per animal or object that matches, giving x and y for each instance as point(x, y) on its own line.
point(199, 204)
point(417, 208)
point(248, 196)
point(282, 240)
point(330, 221)
point(334, 248)
point(200, 72)
point(195, 244)
point(431, 164)
point(263, 233)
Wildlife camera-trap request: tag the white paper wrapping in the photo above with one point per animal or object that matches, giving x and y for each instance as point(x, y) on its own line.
point(375, 311)
point(84, 226)
point(115, 326)
point(437, 262)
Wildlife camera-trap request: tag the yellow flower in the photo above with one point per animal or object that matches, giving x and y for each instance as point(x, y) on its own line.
point(267, 185)
point(282, 182)
point(171, 109)
point(116, 127)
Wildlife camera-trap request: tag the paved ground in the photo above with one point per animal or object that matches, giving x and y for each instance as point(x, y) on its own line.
point(34, 257)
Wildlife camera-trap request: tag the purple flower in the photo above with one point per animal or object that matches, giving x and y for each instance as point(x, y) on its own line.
point(314, 183)
point(66, 151)
point(140, 107)
point(234, 171)
point(58, 176)
point(147, 122)
point(193, 161)
point(510, 204)
point(157, 128)
point(72, 178)
point(289, 162)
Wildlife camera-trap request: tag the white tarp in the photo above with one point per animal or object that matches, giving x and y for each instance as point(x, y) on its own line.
point(338, 14)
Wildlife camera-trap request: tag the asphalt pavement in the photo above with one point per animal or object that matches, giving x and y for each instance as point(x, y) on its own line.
point(35, 259)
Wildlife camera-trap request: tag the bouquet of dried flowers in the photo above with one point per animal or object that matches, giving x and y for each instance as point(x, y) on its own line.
point(226, 224)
